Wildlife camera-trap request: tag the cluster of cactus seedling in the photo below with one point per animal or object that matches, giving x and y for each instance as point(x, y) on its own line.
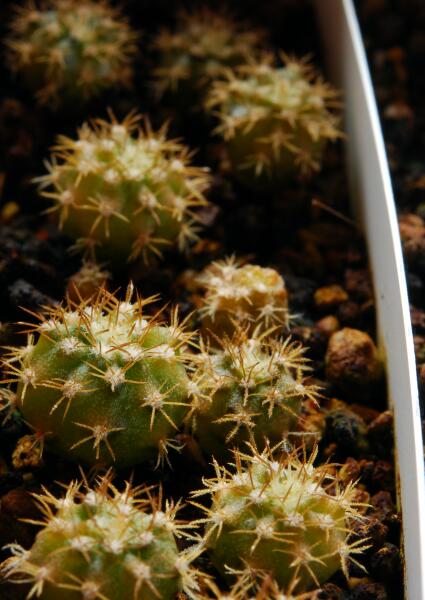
point(275, 120)
point(282, 516)
point(238, 294)
point(125, 191)
point(251, 389)
point(109, 382)
point(198, 52)
point(103, 382)
point(103, 543)
point(66, 50)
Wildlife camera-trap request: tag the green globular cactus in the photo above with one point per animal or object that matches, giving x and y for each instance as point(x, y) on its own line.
point(70, 50)
point(251, 584)
point(248, 390)
point(203, 45)
point(237, 294)
point(275, 120)
point(105, 544)
point(103, 382)
point(285, 517)
point(127, 195)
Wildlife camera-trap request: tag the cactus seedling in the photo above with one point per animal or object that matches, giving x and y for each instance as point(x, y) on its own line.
point(86, 281)
point(242, 294)
point(104, 382)
point(275, 120)
point(68, 50)
point(255, 585)
point(250, 389)
point(285, 517)
point(130, 195)
point(204, 44)
point(105, 544)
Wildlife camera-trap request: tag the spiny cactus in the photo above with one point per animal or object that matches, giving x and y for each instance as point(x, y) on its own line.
point(103, 382)
point(275, 120)
point(105, 544)
point(130, 195)
point(68, 50)
point(285, 517)
point(255, 585)
point(199, 50)
point(249, 389)
point(242, 294)
point(83, 284)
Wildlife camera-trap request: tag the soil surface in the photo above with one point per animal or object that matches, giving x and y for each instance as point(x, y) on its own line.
point(394, 35)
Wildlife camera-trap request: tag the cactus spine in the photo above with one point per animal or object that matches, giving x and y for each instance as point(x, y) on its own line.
point(275, 121)
point(69, 50)
point(105, 544)
point(282, 516)
point(237, 294)
point(103, 382)
point(127, 195)
point(250, 389)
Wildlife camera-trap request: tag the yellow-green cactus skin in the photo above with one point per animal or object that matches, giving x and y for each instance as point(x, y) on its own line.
point(105, 544)
point(200, 49)
point(123, 191)
point(282, 516)
point(102, 381)
point(238, 294)
point(275, 120)
point(251, 389)
point(70, 50)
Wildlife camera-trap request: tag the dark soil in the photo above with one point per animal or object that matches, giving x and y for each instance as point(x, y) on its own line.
point(293, 231)
point(394, 34)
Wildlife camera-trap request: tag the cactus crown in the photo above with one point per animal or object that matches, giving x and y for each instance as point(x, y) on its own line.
point(275, 118)
point(104, 382)
point(105, 544)
point(131, 195)
point(200, 49)
point(72, 48)
point(249, 389)
point(285, 517)
point(237, 293)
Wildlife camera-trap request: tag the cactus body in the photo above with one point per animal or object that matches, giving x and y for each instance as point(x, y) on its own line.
point(204, 44)
point(104, 383)
point(237, 294)
point(275, 120)
point(279, 517)
point(69, 50)
point(249, 390)
point(104, 545)
point(128, 196)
